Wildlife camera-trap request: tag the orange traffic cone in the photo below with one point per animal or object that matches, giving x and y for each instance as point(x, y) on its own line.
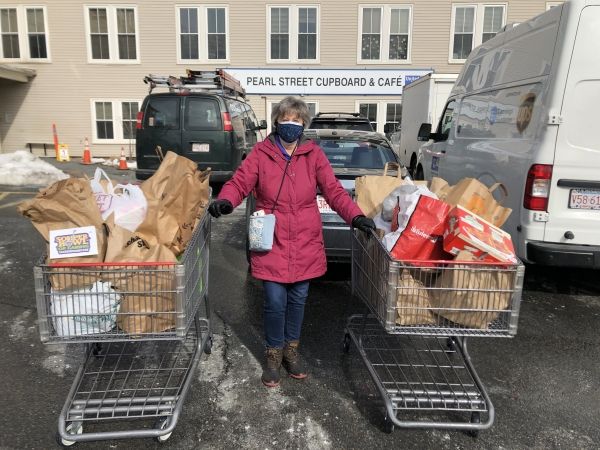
point(87, 155)
point(123, 160)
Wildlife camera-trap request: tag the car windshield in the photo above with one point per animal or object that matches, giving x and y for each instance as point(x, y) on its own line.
point(340, 125)
point(353, 154)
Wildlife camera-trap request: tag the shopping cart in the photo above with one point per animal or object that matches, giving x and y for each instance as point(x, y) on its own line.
point(144, 326)
point(414, 341)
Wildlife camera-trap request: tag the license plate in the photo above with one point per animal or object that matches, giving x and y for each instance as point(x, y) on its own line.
point(584, 199)
point(200, 148)
point(324, 207)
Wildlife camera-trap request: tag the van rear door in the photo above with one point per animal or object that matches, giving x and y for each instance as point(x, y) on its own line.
point(574, 201)
point(203, 138)
point(160, 126)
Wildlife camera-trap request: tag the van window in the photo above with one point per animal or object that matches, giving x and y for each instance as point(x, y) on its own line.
point(251, 121)
point(236, 111)
point(202, 114)
point(472, 120)
point(447, 120)
point(162, 112)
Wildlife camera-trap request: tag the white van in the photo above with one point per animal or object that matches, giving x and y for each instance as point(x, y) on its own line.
point(524, 112)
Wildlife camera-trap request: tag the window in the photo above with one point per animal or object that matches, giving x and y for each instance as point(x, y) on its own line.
point(114, 120)
point(293, 33)
point(23, 33)
point(202, 34)
point(393, 117)
point(473, 25)
point(202, 114)
point(447, 120)
point(369, 110)
point(384, 34)
point(112, 34)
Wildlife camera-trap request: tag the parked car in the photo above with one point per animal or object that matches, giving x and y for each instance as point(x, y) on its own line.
point(340, 121)
point(522, 113)
point(214, 130)
point(351, 154)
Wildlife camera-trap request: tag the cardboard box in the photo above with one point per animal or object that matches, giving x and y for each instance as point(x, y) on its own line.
point(467, 231)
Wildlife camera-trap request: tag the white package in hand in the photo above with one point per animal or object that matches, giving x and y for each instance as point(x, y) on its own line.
point(130, 206)
point(85, 311)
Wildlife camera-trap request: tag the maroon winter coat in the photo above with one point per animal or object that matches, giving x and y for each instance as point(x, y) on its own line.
point(298, 251)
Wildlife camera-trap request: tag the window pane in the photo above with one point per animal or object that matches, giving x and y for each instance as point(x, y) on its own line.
point(10, 46)
point(189, 46)
point(212, 20)
point(35, 20)
point(307, 46)
point(398, 46)
point(37, 46)
point(493, 18)
point(100, 47)
point(104, 130)
point(463, 43)
point(184, 21)
point(202, 114)
point(127, 48)
point(399, 21)
point(162, 113)
point(312, 109)
point(280, 20)
point(280, 46)
point(369, 110)
point(128, 129)
point(121, 21)
point(393, 112)
point(370, 46)
point(98, 20)
point(312, 20)
point(217, 46)
point(464, 20)
point(376, 20)
point(221, 20)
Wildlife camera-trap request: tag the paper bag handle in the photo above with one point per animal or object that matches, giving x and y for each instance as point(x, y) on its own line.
point(495, 186)
point(390, 165)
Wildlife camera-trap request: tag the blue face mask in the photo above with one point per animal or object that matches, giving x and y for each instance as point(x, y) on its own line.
point(290, 131)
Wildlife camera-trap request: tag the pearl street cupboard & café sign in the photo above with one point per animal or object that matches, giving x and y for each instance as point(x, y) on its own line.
point(325, 81)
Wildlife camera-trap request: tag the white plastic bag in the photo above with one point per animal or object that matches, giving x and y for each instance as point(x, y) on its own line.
point(85, 311)
point(104, 195)
point(406, 197)
point(130, 206)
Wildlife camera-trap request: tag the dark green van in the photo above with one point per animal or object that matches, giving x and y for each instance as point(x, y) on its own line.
point(214, 130)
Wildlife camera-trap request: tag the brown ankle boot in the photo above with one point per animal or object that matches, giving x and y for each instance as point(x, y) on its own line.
point(291, 361)
point(270, 376)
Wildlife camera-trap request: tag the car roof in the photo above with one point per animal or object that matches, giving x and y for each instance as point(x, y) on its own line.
point(340, 116)
point(352, 135)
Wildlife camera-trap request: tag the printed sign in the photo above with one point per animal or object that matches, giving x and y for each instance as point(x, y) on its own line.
point(325, 81)
point(73, 242)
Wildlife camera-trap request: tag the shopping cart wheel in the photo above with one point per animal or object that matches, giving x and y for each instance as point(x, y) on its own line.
point(97, 349)
point(161, 424)
point(71, 428)
point(451, 343)
point(346, 343)
point(388, 425)
point(475, 418)
point(208, 346)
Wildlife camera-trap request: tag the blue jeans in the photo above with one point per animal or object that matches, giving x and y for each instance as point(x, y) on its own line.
point(284, 311)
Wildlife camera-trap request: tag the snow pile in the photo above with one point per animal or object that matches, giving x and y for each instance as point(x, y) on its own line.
point(23, 168)
point(131, 165)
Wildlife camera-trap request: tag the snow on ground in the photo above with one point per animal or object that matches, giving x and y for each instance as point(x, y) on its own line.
point(23, 168)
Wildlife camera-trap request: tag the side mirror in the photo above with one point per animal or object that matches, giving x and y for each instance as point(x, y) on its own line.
point(424, 132)
point(388, 128)
point(262, 125)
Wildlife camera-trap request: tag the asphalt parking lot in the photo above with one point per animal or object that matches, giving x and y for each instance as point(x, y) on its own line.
point(544, 383)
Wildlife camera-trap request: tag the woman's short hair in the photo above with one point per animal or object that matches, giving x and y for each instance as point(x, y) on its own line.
point(291, 105)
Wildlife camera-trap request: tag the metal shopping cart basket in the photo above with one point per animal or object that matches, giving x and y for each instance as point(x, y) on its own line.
point(414, 341)
point(144, 326)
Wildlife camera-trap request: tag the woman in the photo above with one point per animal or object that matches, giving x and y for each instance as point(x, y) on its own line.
point(298, 253)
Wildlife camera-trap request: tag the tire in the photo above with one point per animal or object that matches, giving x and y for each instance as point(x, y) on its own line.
point(65, 442)
point(413, 165)
point(161, 424)
point(388, 425)
point(419, 175)
point(476, 419)
point(208, 346)
point(346, 343)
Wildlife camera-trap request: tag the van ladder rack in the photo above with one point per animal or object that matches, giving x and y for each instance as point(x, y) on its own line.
point(215, 81)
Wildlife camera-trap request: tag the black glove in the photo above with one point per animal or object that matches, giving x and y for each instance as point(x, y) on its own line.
point(364, 224)
point(219, 207)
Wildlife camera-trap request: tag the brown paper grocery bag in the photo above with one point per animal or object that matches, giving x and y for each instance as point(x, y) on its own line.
point(470, 294)
point(413, 304)
point(148, 296)
point(371, 190)
point(177, 195)
point(475, 196)
point(67, 203)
